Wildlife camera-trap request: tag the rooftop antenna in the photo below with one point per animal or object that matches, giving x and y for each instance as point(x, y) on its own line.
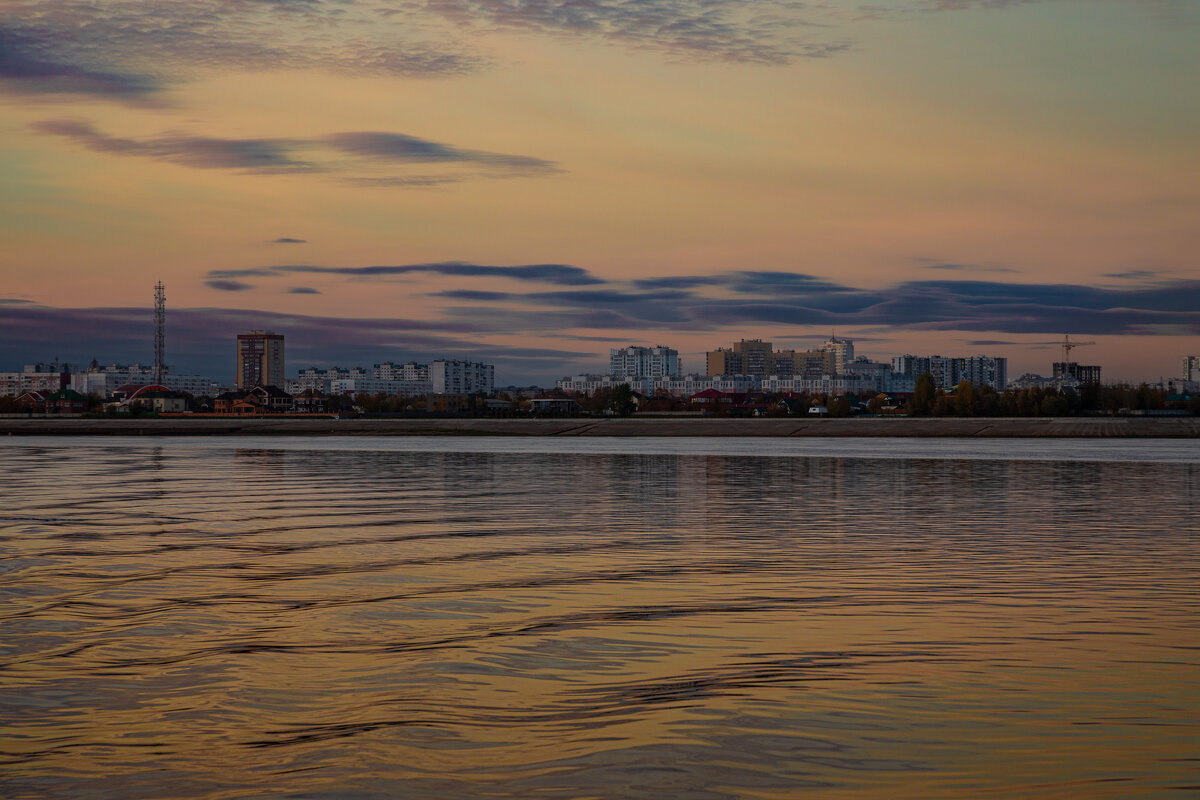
point(160, 326)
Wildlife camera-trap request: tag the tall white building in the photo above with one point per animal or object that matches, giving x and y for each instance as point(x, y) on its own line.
point(461, 377)
point(643, 362)
point(1191, 368)
point(842, 349)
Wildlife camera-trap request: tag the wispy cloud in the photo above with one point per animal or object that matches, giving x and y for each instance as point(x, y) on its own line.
point(561, 274)
point(303, 290)
point(250, 155)
point(398, 147)
point(753, 297)
point(1133, 274)
point(228, 286)
point(282, 156)
point(289, 240)
point(768, 32)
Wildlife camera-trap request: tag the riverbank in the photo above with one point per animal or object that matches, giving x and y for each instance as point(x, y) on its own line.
point(1055, 427)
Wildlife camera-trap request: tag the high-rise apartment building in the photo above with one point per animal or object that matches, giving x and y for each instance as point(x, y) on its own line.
point(756, 357)
point(842, 350)
point(643, 362)
point(985, 371)
point(1080, 372)
point(948, 372)
point(259, 359)
point(747, 357)
point(1191, 368)
point(461, 377)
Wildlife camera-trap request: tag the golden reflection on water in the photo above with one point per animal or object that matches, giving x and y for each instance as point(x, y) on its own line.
point(233, 622)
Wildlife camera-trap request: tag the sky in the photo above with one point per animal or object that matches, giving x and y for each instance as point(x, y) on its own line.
point(532, 182)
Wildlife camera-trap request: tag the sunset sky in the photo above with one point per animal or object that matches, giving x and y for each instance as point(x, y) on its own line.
point(531, 182)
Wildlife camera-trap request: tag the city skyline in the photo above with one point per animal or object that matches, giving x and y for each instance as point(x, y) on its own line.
point(532, 184)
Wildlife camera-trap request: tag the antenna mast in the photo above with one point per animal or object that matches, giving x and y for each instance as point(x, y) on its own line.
point(160, 326)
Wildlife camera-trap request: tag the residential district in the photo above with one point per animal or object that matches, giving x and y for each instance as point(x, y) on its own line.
point(748, 378)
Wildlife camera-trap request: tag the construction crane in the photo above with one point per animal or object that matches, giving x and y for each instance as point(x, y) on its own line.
point(1068, 346)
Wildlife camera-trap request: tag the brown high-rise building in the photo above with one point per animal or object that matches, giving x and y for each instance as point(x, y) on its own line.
point(259, 359)
point(756, 357)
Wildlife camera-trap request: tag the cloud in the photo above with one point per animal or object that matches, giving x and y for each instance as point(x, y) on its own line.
point(1133, 274)
point(994, 342)
point(252, 272)
point(289, 240)
point(303, 290)
point(134, 49)
point(768, 32)
point(228, 286)
point(29, 64)
point(739, 297)
point(755, 297)
point(276, 156)
point(952, 267)
point(399, 147)
point(560, 274)
point(248, 155)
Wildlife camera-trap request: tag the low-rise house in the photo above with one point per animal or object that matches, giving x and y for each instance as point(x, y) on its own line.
point(225, 401)
point(311, 401)
point(34, 401)
point(161, 401)
point(272, 399)
point(66, 401)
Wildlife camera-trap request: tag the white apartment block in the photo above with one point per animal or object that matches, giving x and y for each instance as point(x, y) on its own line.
point(688, 385)
point(1191, 368)
point(826, 384)
point(412, 371)
point(461, 377)
point(114, 376)
point(354, 386)
point(643, 362)
point(96, 380)
point(590, 384)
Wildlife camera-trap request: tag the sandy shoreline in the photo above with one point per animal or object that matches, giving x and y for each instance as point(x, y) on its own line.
point(1081, 427)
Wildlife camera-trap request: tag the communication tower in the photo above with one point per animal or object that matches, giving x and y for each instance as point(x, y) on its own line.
point(160, 328)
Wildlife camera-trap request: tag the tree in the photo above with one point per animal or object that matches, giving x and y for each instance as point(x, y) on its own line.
point(622, 399)
point(923, 395)
point(964, 399)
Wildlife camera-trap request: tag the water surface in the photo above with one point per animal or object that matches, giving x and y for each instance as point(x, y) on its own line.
point(513, 618)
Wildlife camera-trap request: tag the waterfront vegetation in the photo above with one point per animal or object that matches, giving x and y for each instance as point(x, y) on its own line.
point(963, 400)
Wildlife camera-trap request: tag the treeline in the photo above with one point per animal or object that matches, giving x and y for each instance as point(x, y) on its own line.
point(967, 400)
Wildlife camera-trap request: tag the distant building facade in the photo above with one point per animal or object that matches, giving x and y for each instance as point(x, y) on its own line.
point(949, 372)
point(758, 357)
point(659, 361)
point(1191, 368)
point(260, 359)
point(842, 351)
point(1080, 372)
point(461, 377)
